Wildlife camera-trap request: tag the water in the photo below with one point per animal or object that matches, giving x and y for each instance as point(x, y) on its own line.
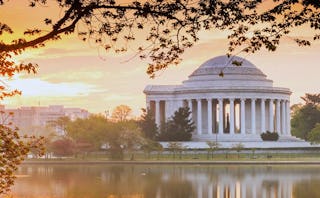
point(167, 181)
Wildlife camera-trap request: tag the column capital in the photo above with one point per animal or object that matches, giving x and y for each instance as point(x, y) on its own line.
point(243, 99)
point(253, 99)
point(209, 99)
point(231, 99)
point(198, 99)
point(263, 99)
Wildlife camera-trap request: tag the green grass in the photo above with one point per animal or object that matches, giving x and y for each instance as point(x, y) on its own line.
point(198, 156)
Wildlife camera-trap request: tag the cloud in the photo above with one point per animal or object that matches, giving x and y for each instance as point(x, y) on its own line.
point(37, 87)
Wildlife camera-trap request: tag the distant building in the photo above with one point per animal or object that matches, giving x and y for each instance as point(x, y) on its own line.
point(35, 117)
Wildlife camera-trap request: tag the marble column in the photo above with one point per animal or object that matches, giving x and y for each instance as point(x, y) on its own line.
point(243, 190)
point(253, 116)
point(243, 114)
point(288, 127)
point(279, 190)
point(220, 116)
point(278, 116)
point(264, 193)
point(190, 108)
point(199, 191)
point(209, 116)
point(157, 113)
point(263, 115)
point(271, 116)
point(214, 116)
point(231, 115)
point(219, 191)
point(199, 116)
point(210, 189)
point(283, 117)
point(254, 191)
point(148, 105)
point(232, 190)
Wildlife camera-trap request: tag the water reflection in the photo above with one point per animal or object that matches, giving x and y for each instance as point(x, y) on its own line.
point(164, 181)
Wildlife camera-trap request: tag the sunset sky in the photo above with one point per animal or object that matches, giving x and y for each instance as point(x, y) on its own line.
point(80, 74)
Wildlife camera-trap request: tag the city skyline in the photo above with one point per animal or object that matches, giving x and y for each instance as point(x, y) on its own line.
point(80, 74)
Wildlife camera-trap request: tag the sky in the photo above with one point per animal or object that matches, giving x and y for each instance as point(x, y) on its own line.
point(80, 74)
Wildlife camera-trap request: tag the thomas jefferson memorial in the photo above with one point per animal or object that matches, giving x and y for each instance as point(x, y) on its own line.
point(229, 103)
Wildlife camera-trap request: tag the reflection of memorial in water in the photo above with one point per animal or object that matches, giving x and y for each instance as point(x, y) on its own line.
point(167, 181)
point(261, 182)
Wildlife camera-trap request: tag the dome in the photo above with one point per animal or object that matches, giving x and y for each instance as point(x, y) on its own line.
point(243, 74)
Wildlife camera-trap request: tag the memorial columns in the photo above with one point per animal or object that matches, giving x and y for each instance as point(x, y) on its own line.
point(278, 123)
point(148, 105)
point(220, 116)
point(253, 116)
point(209, 116)
point(271, 116)
point(283, 117)
point(199, 117)
point(288, 118)
point(157, 113)
point(190, 108)
point(263, 115)
point(243, 114)
point(231, 115)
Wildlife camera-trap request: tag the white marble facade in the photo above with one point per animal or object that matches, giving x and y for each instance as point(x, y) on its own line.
point(241, 104)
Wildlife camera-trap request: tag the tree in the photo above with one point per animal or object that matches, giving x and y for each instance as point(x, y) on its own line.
point(121, 113)
point(314, 135)
point(179, 127)
point(89, 131)
point(121, 137)
point(60, 124)
point(171, 26)
point(238, 147)
point(149, 145)
point(212, 147)
point(63, 147)
point(13, 150)
point(148, 125)
point(131, 137)
point(176, 147)
point(306, 116)
point(313, 99)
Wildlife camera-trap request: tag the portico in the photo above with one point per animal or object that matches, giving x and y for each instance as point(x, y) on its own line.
point(241, 105)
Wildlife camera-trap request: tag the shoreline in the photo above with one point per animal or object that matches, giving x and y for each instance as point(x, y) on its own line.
point(182, 162)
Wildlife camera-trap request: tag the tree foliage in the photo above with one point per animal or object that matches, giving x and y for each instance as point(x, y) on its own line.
point(91, 130)
point(148, 125)
point(212, 147)
point(306, 117)
point(13, 150)
point(121, 113)
point(238, 147)
point(170, 26)
point(91, 133)
point(60, 124)
point(179, 127)
point(269, 136)
point(314, 135)
point(63, 147)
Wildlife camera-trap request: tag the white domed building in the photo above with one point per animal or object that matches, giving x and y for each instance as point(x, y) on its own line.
point(229, 104)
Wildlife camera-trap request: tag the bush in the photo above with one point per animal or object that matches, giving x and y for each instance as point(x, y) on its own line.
point(270, 136)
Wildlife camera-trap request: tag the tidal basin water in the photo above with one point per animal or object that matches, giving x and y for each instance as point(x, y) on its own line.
point(167, 181)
